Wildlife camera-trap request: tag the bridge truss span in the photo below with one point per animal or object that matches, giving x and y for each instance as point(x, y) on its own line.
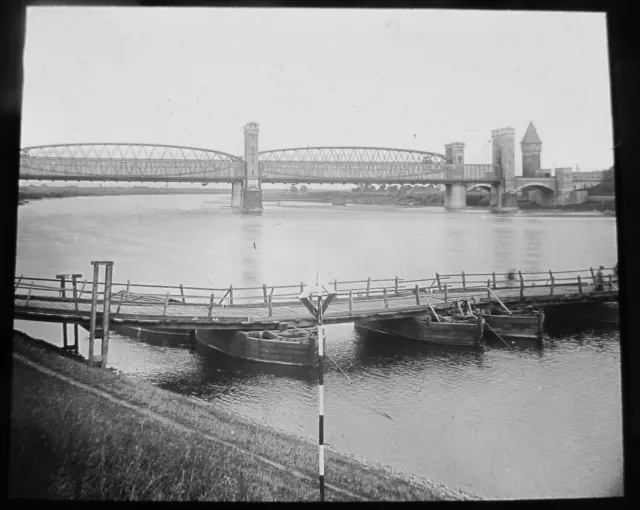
point(128, 162)
point(365, 165)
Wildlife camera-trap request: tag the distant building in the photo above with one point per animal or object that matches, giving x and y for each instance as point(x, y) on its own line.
point(531, 147)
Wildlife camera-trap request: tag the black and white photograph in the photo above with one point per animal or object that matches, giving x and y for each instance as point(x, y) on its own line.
point(295, 254)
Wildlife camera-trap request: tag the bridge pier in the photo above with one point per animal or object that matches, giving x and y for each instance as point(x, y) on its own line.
point(251, 189)
point(455, 196)
point(236, 194)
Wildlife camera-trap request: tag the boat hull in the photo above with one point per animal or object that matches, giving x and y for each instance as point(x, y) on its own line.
point(429, 331)
point(516, 326)
point(250, 346)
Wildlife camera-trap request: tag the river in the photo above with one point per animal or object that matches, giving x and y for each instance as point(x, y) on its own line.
point(543, 421)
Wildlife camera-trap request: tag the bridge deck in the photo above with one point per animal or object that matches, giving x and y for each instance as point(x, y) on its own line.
point(351, 303)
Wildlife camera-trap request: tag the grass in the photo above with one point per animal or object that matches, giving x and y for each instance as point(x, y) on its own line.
point(138, 442)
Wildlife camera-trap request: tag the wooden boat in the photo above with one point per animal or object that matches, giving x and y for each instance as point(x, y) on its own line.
point(607, 313)
point(466, 330)
point(296, 347)
point(520, 324)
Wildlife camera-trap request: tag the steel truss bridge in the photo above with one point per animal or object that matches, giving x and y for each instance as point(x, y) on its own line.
point(167, 163)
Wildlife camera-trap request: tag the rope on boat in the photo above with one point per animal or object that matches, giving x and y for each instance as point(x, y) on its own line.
point(351, 380)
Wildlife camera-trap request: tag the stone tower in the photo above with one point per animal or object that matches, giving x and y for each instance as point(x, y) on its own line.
point(454, 153)
point(503, 146)
point(531, 146)
point(251, 190)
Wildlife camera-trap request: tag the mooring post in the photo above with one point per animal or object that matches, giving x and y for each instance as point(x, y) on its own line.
point(521, 285)
point(493, 275)
point(368, 285)
point(579, 285)
point(94, 312)
point(74, 280)
point(553, 281)
point(182, 294)
point(63, 294)
point(350, 300)
point(464, 282)
point(210, 305)
point(438, 278)
point(105, 314)
point(264, 292)
point(231, 294)
point(417, 294)
point(384, 293)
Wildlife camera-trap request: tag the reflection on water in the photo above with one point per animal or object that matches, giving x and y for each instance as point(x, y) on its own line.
point(542, 420)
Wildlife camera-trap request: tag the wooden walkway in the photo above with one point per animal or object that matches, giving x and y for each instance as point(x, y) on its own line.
point(65, 300)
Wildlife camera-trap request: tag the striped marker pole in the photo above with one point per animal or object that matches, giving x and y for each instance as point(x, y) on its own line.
point(320, 392)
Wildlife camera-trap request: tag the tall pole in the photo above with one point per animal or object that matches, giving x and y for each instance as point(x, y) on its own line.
point(320, 391)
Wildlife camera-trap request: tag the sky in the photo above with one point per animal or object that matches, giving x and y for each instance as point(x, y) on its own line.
point(409, 79)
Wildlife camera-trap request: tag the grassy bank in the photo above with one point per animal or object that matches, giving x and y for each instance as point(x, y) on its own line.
point(80, 432)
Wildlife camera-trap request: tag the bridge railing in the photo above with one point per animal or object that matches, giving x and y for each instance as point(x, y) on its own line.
point(390, 290)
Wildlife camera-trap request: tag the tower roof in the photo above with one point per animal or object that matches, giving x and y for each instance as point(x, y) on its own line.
point(531, 136)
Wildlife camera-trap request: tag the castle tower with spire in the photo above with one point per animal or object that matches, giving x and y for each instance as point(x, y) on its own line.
point(531, 146)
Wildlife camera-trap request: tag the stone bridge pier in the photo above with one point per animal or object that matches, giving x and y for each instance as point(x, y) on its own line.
point(246, 195)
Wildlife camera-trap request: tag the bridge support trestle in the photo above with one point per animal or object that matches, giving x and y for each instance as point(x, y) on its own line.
point(455, 196)
point(236, 194)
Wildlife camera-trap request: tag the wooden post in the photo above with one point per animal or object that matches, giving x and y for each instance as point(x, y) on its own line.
point(63, 293)
point(74, 280)
point(166, 303)
point(593, 275)
point(270, 306)
point(445, 293)
point(94, 312)
point(182, 293)
point(368, 285)
point(438, 279)
point(610, 282)
point(335, 285)
point(396, 284)
point(264, 292)
point(350, 301)
point(489, 289)
point(301, 287)
point(210, 304)
point(417, 294)
point(126, 294)
point(384, 294)
point(553, 282)
point(29, 293)
point(105, 314)
point(82, 289)
point(464, 283)
point(493, 275)
point(231, 294)
point(18, 284)
point(579, 285)
point(521, 285)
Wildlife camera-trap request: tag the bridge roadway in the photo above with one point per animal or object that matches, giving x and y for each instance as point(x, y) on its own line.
point(349, 305)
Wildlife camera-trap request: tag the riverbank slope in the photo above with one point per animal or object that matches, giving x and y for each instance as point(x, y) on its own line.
point(85, 433)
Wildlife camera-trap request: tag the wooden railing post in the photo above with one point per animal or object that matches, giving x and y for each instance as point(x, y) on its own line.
point(301, 287)
point(127, 292)
point(211, 304)
point(488, 288)
point(264, 292)
point(553, 281)
point(335, 285)
point(593, 275)
point(610, 282)
point(18, 284)
point(182, 294)
point(396, 285)
point(384, 293)
point(166, 303)
point(464, 283)
point(63, 294)
point(417, 294)
point(74, 283)
point(108, 280)
point(270, 306)
point(368, 285)
point(493, 275)
point(94, 313)
point(26, 303)
point(445, 293)
point(438, 279)
point(521, 285)
point(579, 285)
point(231, 295)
